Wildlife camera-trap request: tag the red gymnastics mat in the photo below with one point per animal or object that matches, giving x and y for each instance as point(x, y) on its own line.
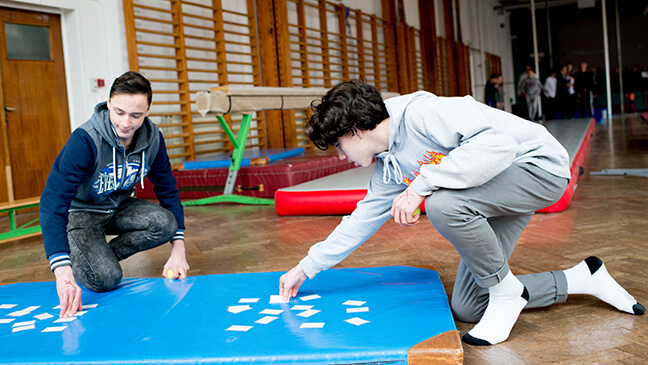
point(338, 194)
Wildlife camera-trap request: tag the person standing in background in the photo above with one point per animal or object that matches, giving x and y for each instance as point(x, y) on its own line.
point(493, 91)
point(531, 88)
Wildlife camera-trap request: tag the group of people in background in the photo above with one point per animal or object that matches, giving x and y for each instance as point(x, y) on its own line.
point(568, 92)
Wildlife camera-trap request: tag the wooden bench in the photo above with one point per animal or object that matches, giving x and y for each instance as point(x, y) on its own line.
point(26, 230)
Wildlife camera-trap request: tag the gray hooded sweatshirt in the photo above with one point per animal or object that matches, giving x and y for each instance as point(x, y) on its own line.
point(437, 143)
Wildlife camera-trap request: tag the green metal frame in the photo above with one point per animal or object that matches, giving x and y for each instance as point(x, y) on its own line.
point(235, 165)
point(25, 229)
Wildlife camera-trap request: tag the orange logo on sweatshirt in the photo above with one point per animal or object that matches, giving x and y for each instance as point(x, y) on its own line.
point(430, 158)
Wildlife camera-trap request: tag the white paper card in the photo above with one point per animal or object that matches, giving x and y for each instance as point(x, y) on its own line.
point(43, 316)
point(26, 323)
point(7, 306)
point(310, 297)
point(357, 303)
point(357, 321)
point(359, 309)
point(89, 306)
point(308, 313)
point(277, 299)
point(22, 328)
point(54, 329)
point(18, 313)
point(312, 325)
point(248, 300)
point(65, 319)
point(238, 308)
point(7, 320)
point(273, 312)
point(80, 313)
point(301, 307)
point(266, 320)
point(238, 328)
point(57, 307)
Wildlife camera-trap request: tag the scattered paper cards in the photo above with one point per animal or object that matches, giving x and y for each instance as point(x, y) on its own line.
point(18, 325)
point(305, 311)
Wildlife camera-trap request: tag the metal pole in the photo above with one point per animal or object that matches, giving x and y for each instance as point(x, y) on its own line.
point(551, 65)
point(618, 41)
point(482, 54)
point(536, 61)
point(607, 61)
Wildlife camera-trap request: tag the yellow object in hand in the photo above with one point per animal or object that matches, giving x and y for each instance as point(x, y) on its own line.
point(170, 274)
point(417, 211)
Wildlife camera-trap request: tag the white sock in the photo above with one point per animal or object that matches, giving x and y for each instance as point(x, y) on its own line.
point(591, 277)
point(506, 301)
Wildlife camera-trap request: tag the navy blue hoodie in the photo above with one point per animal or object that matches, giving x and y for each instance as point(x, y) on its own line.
point(83, 178)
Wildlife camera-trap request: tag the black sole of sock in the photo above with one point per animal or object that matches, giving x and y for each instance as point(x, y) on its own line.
point(467, 338)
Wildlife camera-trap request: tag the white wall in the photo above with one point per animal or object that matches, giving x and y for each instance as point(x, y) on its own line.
point(94, 47)
point(94, 41)
point(484, 29)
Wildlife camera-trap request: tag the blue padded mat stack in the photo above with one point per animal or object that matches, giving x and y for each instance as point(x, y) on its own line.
point(163, 321)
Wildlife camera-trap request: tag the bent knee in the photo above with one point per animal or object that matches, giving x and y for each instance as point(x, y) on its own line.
point(443, 207)
point(163, 224)
point(101, 279)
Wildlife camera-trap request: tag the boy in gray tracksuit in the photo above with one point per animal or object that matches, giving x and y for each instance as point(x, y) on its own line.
point(481, 172)
point(531, 88)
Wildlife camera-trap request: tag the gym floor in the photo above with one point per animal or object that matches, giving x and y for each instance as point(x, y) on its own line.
point(606, 218)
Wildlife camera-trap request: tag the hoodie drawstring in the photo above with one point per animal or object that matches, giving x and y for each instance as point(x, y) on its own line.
point(387, 174)
point(142, 166)
point(115, 167)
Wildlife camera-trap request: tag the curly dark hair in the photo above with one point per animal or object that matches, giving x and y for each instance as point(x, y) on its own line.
point(133, 83)
point(347, 107)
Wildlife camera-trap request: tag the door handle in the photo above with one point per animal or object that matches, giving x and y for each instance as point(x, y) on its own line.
point(10, 109)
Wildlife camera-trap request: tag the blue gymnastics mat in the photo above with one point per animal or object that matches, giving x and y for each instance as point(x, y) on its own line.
point(367, 315)
point(224, 160)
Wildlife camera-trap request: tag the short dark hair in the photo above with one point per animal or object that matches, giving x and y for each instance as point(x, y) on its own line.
point(132, 83)
point(347, 107)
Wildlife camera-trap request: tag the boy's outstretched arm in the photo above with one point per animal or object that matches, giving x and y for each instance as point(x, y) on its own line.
point(290, 282)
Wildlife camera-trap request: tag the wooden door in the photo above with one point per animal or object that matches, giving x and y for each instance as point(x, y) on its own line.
point(35, 124)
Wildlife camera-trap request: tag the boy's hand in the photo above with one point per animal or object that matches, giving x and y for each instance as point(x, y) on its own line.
point(68, 290)
point(404, 207)
point(290, 282)
point(177, 262)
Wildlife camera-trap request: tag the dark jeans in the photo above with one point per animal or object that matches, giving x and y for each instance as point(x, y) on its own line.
point(138, 224)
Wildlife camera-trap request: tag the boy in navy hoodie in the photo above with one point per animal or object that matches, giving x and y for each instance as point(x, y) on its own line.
point(481, 172)
point(88, 196)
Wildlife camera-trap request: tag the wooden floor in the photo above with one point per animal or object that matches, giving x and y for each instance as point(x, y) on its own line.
point(608, 218)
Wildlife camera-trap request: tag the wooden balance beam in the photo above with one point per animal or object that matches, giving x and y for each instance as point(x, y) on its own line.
point(247, 100)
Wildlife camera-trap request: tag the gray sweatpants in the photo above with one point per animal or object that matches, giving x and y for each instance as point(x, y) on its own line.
point(484, 223)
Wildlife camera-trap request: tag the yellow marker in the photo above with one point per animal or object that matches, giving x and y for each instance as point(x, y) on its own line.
point(417, 211)
point(170, 274)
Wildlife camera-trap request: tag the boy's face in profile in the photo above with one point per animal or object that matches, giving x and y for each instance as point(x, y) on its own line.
point(355, 148)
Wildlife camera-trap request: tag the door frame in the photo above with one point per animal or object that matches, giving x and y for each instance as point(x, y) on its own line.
point(99, 54)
